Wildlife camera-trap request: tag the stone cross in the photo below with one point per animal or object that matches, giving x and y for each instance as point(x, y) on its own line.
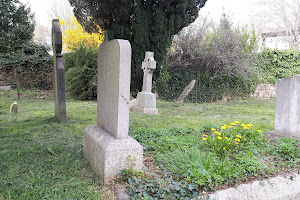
point(107, 146)
point(58, 73)
point(148, 65)
point(287, 114)
point(146, 100)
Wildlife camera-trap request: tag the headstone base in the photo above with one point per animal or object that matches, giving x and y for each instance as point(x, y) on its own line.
point(108, 156)
point(276, 134)
point(146, 103)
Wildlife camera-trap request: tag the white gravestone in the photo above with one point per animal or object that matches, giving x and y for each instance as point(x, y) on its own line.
point(14, 107)
point(287, 115)
point(107, 146)
point(146, 100)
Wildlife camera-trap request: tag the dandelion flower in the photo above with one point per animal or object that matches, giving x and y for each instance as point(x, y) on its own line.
point(204, 138)
point(245, 127)
point(238, 136)
point(223, 127)
point(224, 148)
point(237, 139)
point(243, 124)
point(250, 125)
point(229, 126)
point(236, 122)
point(236, 143)
point(204, 135)
point(233, 124)
point(225, 124)
point(216, 132)
point(229, 143)
point(259, 131)
point(226, 138)
point(213, 129)
point(220, 138)
point(219, 134)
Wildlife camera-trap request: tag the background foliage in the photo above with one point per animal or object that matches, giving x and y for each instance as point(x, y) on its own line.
point(74, 35)
point(276, 64)
point(81, 72)
point(148, 25)
point(16, 25)
point(219, 58)
point(24, 64)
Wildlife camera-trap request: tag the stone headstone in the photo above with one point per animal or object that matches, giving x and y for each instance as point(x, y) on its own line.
point(107, 146)
point(287, 115)
point(5, 87)
point(14, 107)
point(146, 100)
point(58, 73)
point(186, 91)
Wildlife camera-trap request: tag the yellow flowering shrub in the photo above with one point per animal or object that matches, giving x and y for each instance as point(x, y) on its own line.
point(74, 34)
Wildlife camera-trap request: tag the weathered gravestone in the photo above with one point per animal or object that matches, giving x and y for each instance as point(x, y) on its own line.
point(186, 91)
point(107, 146)
point(146, 100)
point(287, 115)
point(58, 73)
point(14, 107)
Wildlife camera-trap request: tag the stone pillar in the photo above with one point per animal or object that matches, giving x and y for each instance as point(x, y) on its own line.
point(287, 115)
point(58, 73)
point(107, 146)
point(146, 100)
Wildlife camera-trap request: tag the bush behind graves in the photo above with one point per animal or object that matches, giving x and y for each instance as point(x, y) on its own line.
point(219, 58)
point(81, 72)
point(276, 64)
point(29, 67)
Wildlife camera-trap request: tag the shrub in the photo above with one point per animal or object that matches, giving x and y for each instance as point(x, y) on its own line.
point(29, 67)
point(276, 64)
point(81, 72)
point(218, 58)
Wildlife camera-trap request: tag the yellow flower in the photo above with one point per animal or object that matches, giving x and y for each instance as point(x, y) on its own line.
point(220, 138)
point(259, 131)
point(223, 127)
point(216, 132)
point(219, 134)
point(204, 135)
point(225, 124)
point(236, 122)
point(229, 126)
point(226, 138)
point(204, 138)
point(213, 129)
point(249, 125)
point(245, 127)
point(237, 139)
point(236, 143)
point(228, 142)
point(238, 136)
point(224, 148)
point(233, 124)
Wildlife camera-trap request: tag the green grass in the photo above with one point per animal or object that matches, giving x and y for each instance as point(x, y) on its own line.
point(43, 159)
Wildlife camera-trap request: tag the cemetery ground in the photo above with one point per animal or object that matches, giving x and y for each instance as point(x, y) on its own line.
point(183, 154)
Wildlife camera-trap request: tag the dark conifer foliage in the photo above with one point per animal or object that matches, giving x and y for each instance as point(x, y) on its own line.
point(16, 25)
point(148, 24)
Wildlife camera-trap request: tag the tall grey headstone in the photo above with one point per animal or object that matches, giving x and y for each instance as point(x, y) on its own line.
point(107, 146)
point(186, 91)
point(146, 100)
point(287, 115)
point(58, 73)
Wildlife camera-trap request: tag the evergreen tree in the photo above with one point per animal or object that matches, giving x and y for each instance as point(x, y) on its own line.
point(148, 24)
point(16, 25)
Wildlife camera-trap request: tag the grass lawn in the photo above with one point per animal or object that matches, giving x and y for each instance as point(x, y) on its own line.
point(43, 159)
